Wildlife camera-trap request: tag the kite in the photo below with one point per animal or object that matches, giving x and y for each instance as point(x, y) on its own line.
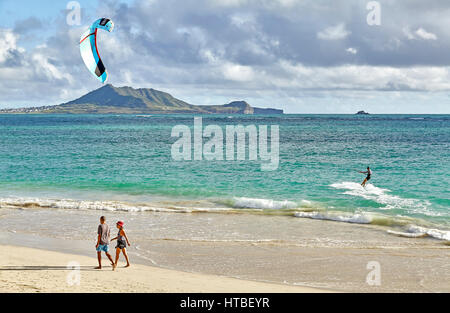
point(89, 51)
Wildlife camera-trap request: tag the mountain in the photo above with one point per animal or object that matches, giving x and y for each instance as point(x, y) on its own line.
point(110, 99)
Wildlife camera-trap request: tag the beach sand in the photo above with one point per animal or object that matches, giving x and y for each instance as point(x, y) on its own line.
point(27, 270)
point(246, 248)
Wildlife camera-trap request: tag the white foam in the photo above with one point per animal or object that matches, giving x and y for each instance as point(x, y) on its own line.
point(357, 218)
point(252, 203)
point(71, 204)
point(78, 205)
point(356, 189)
point(382, 196)
point(406, 234)
point(307, 204)
point(432, 232)
point(138, 248)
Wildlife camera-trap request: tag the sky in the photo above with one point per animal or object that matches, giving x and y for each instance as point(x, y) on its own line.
point(303, 56)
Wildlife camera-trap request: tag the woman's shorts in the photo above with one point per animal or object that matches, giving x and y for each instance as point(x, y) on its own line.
point(121, 245)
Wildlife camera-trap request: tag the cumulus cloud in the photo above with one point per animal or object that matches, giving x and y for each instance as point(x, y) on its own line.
point(28, 76)
point(8, 48)
point(352, 50)
point(369, 78)
point(420, 33)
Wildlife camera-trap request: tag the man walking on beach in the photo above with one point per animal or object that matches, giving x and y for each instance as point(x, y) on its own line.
point(103, 242)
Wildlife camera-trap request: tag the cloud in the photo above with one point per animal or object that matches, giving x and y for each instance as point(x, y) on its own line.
point(366, 78)
point(26, 74)
point(420, 33)
point(352, 50)
point(8, 48)
point(238, 73)
point(27, 25)
point(45, 70)
point(208, 51)
point(334, 33)
point(407, 32)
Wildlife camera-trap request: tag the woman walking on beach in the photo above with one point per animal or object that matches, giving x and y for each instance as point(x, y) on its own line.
point(122, 241)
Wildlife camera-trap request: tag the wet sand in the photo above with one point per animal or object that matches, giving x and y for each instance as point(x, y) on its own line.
point(275, 249)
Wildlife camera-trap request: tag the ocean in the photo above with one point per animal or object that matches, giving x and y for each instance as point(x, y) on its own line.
point(124, 163)
point(306, 222)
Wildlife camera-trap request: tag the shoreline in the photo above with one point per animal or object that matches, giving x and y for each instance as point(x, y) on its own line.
point(425, 225)
point(324, 255)
point(29, 270)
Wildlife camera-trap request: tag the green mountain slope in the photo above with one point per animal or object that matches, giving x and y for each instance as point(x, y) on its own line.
point(110, 99)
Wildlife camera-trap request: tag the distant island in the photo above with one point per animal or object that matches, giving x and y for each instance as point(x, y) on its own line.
point(127, 100)
point(362, 113)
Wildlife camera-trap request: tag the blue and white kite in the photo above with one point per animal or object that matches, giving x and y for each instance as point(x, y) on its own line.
point(89, 51)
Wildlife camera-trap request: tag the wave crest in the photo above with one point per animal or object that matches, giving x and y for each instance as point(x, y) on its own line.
point(382, 196)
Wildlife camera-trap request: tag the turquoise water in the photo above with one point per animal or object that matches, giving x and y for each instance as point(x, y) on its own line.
point(127, 159)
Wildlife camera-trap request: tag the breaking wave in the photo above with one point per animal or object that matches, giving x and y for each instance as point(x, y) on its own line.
point(383, 197)
point(415, 231)
point(412, 228)
point(265, 204)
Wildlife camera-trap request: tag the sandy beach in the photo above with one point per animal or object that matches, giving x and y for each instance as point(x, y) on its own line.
point(166, 252)
point(27, 270)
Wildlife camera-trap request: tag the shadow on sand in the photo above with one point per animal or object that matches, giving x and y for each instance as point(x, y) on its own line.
point(46, 268)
